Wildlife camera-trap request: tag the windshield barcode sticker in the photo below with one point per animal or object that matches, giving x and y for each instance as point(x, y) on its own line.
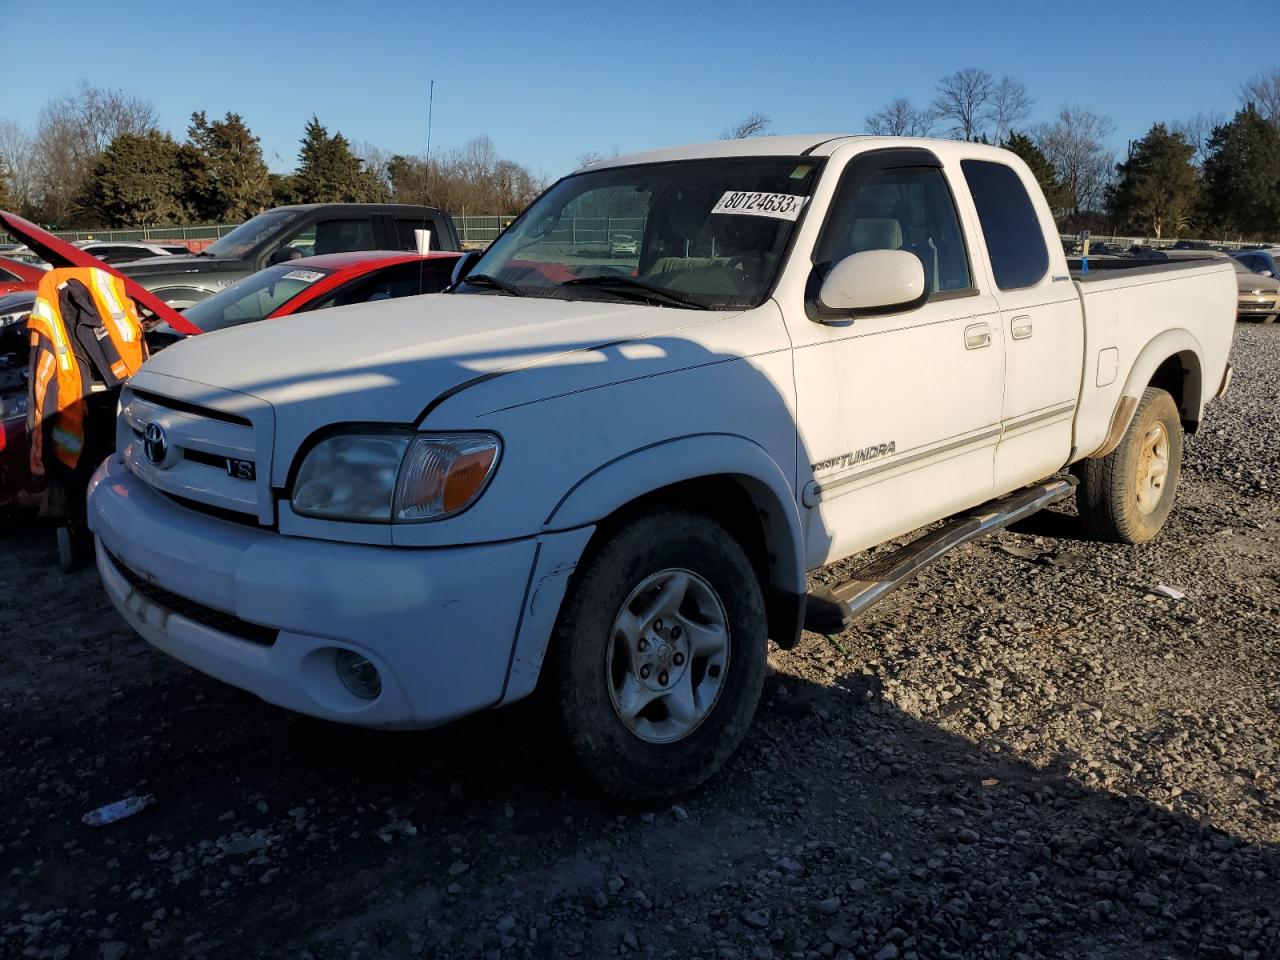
point(780, 206)
point(306, 276)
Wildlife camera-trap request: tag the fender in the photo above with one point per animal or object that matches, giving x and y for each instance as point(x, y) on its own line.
point(1159, 349)
point(630, 476)
point(568, 528)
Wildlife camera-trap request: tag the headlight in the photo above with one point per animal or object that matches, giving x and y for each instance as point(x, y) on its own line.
point(394, 477)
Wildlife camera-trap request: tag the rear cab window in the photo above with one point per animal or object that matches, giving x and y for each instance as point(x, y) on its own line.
point(1010, 226)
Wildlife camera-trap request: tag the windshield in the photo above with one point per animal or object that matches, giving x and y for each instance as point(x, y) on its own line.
point(253, 298)
point(699, 233)
point(240, 242)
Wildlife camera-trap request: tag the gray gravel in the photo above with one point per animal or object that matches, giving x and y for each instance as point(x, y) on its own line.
point(1026, 754)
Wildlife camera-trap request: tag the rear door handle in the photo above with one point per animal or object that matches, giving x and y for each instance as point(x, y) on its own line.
point(977, 336)
point(1021, 328)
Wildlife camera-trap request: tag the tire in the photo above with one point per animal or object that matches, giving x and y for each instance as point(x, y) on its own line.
point(1126, 496)
point(683, 567)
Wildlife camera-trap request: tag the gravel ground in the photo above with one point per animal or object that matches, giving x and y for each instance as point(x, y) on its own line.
point(1025, 754)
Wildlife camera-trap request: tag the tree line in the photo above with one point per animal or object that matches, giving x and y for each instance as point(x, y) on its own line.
point(1206, 175)
point(98, 158)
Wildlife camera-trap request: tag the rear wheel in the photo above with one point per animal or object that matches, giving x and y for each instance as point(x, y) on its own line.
point(1126, 496)
point(660, 656)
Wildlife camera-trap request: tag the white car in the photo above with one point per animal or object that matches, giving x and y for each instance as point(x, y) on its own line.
point(400, 513)
point(126, 251)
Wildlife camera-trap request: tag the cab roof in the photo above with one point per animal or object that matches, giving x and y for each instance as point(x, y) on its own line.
point(795, 145)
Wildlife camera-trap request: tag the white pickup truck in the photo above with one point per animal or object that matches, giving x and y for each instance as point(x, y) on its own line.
point(608, 469)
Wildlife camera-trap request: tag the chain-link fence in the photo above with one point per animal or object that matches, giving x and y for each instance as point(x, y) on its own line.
point(478, 231)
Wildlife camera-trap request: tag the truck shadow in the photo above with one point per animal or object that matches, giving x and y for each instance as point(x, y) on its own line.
point(963, 844)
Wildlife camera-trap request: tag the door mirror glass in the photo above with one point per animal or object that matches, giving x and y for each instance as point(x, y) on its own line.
point(874, 281)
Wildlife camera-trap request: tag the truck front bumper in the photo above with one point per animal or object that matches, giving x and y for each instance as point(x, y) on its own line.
point(269, 613)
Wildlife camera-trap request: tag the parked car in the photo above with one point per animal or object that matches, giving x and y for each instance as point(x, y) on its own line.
point(1258, 296)
point(618, 482)
point(16, 275)
point(126, 251)
point(22, 254)
point(1265, 261)
point(316, 283)
point(289, 233)
point(623, 245)
point(1194, 245)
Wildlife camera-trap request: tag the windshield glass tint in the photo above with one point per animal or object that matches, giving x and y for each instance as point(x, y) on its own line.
point(253, 298)
point(240, 242)
point(711, 231)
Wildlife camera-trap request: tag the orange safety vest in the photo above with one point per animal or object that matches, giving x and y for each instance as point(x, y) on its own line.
point(61, 375)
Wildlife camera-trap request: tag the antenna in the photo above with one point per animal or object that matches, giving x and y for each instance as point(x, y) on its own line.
point(431, 98)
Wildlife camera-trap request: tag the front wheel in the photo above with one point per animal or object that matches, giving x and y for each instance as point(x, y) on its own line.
point(1126, 496)
point(660, 656)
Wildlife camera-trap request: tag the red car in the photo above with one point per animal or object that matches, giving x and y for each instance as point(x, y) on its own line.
point(314, 283)
point(16, 276)
point(311, 283)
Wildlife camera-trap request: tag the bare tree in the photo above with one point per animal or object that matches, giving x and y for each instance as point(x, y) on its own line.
point(19, 156)
point(900, 118)
point(71, 135)
point(964, 100)
point(1075, 143)
point(1263, 91)
point(754, 125)
point(1009, 107)
point(375, 160)
point(1197, 130)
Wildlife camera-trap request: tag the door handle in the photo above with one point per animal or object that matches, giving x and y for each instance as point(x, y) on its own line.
point(1021, 327)
point(977, 336)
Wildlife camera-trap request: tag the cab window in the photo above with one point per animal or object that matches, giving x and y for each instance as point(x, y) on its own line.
point(402, 280)
point(1010, 227)
point(333, 236)
point(902, 208)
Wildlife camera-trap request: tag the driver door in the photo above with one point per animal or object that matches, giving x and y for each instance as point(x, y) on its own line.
point(899, 414)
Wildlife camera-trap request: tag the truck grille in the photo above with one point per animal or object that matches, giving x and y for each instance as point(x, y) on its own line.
point(213, 454)
point(208, 616)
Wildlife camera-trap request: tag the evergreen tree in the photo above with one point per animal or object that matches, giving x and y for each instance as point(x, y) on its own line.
point(137, 181)
point(1055, 192)
point(1242, 175)
point(1156, 189)
point(225, 178)
point(328, 172)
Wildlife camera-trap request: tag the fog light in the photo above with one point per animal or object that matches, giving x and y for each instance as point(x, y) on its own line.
point(358, 675)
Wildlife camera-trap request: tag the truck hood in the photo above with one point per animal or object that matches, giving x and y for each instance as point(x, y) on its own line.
point(179, 264)
point(389, 362)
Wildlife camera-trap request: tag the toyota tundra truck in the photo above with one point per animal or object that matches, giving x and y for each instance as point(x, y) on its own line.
point(606, 475)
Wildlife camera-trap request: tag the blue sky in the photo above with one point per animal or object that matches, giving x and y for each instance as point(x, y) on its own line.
point(550, 81)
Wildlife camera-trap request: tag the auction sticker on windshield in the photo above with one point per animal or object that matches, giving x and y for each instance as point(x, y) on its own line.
point(306, 276)
point(780, 206)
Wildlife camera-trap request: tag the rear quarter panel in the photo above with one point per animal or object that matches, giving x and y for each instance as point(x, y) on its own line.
point(1135, 323)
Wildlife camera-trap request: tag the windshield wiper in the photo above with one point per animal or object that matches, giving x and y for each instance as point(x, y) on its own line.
point(484, 280)
point(622, 284)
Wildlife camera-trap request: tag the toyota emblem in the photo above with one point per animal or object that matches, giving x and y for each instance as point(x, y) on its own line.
point(155, 443)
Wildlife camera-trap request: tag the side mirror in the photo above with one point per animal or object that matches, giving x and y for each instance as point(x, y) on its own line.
point(874, 281)
point(284, 255)
point(462, 266)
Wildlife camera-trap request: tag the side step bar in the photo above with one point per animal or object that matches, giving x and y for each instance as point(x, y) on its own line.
point(831, 610)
